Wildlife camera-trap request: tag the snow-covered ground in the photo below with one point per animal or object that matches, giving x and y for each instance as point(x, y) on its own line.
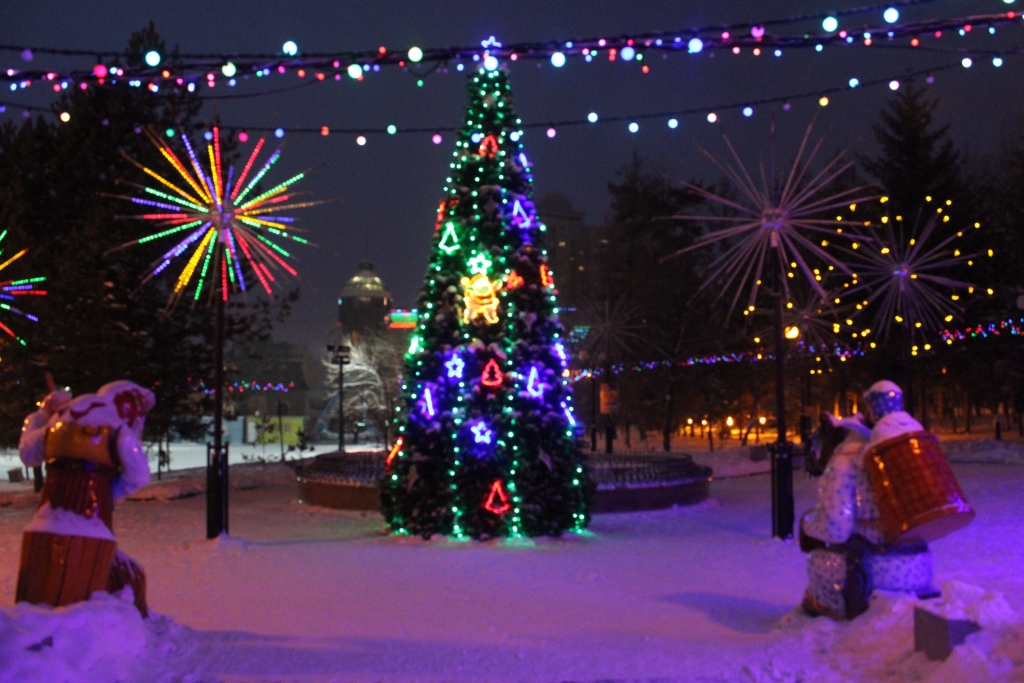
point(687, 594)
point(186, 455)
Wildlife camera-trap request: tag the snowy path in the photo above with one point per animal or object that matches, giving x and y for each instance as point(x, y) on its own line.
point(307, 594)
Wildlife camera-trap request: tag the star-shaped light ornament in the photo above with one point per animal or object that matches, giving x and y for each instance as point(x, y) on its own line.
point(480, 264)
point(455, 367)
point(481, 434)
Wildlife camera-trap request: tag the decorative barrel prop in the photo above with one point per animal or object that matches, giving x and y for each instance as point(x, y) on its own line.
point(918, 498)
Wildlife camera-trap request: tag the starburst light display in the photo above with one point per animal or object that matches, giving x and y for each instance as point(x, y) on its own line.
point(773, 227)
point(227, 230)
point(818, 322)
point(11, 289)
point(902, 278)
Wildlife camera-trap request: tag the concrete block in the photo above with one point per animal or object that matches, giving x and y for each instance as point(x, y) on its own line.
point(936, 636)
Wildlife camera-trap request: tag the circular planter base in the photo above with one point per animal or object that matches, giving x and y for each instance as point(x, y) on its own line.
point(630, 483)
point(625, 483)
point(342, 481)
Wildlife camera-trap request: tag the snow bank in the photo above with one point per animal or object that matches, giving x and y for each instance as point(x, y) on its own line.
point(966, 601)
point(106, 640)
point(98, 640)
point(731, 462)
point(987, 451)
point(879, 645)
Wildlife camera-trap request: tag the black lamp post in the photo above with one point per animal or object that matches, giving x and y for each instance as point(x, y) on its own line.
point(217, 455)
point(783, 506)
point(341, 357)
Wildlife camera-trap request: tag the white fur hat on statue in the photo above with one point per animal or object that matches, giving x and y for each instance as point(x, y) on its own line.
point(884, 397)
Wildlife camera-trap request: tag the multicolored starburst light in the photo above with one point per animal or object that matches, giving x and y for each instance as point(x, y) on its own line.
point(224, 231)
point(10, 289)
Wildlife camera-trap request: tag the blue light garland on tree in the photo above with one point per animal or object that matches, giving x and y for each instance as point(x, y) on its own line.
point(487, 442)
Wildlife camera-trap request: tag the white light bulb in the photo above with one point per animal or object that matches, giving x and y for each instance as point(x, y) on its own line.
point(695, 45)
point(490, 62)
point(966, 61)
point(415, 54)
point(152, 58)
point(290, 48)
point(830, 24)
point(634, 127)
point(592, 117)
point(558, 60)
point(673, 123)
point(228, 70)
point(354, 71)
point(891, 15)
point(627, 53)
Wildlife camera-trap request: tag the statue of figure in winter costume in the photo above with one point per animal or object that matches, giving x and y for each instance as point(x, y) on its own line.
point(849, 558)
point(92, 449)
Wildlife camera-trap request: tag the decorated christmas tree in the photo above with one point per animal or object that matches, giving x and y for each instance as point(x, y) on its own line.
point(487, 433)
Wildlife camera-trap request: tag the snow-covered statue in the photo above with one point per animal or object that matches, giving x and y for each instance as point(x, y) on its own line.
point(852, 552)
point(92, 448)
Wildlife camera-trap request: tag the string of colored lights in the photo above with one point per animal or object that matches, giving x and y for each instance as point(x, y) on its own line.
point(853, 11)
point(840, 352)
point(1010, 326)
point(243, 386)
point(191, 71)
point(671, 117)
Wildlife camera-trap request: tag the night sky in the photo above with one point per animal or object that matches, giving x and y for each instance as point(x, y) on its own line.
point(389, 189)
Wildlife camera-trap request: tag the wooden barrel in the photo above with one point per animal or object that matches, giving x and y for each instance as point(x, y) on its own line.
point(917, 495)
point(58, 569)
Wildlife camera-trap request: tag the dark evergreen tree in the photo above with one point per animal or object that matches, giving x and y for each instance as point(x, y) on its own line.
point(917, 159)
point(488, 437)
point(96, 325)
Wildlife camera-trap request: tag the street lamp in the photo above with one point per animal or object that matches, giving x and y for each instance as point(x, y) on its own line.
point(342, 358)
point(280, 426)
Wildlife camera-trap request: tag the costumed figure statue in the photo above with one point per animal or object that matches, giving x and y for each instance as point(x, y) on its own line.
point(92, 449)
point(885, 492)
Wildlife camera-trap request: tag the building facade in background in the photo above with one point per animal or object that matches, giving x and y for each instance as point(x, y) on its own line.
point(364, 303)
